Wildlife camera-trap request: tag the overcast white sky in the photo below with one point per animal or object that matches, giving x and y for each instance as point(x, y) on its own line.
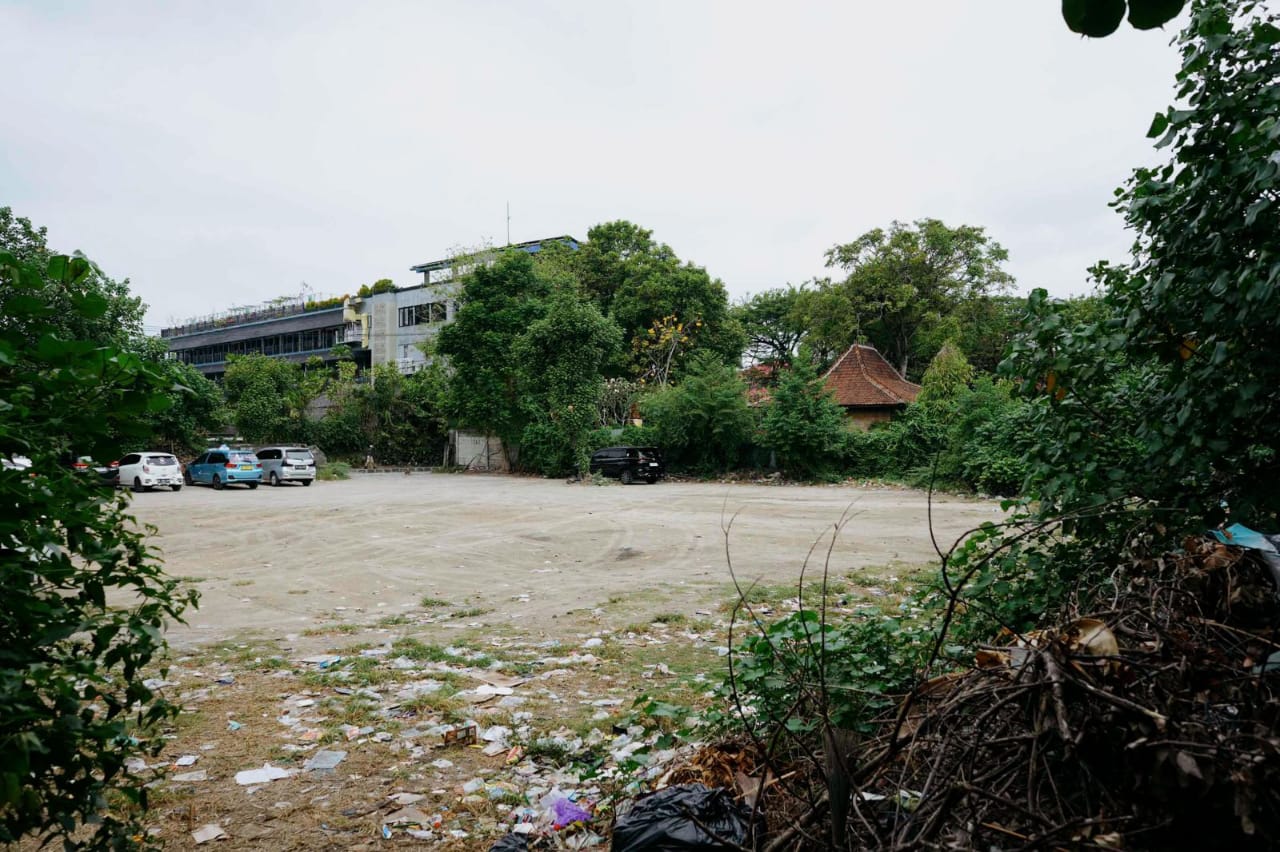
point(222, 153)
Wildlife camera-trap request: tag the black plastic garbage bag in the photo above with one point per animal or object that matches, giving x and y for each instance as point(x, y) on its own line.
point(665, 821)
point(511, 843)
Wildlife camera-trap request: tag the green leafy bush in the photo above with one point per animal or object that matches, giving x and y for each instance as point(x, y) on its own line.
point(703, 424)
point(803, 425)
point(799, 670)
point(330, 471)
point(83, 600)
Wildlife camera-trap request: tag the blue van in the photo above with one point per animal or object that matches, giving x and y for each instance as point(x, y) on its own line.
point(223, 467)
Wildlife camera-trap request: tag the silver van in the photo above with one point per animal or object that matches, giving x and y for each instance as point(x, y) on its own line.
point(287, 464)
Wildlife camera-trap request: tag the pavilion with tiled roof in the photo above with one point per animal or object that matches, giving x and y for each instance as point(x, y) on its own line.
point(867, 386)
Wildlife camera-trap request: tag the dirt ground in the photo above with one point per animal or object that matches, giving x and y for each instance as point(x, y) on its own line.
point(365, 619)
point(276, 561)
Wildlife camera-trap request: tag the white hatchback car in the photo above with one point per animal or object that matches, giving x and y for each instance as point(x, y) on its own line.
point(144, 471)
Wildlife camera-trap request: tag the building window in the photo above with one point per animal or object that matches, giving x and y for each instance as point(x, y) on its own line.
point(432, 312)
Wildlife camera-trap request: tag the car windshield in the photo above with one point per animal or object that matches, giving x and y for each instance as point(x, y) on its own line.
point(298, 455)
point(244, 458)
point(163, 461)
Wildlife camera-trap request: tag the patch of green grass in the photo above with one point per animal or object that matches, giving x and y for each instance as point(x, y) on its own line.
point(243, 583)
point(333, 470)
point(549, 750)
point(470, 613)
point(670, 618)
point(394, 621)
point(335, 627)
point(429, 602)
point(415, 649)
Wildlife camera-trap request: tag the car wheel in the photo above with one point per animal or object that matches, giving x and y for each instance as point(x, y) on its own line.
point(137, 485)
point(275, 480)
point(217, 482)
point(306, 482)
point(627, 478)
point(176, 487)
point(186, 477)
point(651, 479)
point(252, 485)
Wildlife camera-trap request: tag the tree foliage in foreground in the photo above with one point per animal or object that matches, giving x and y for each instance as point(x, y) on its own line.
point(1171, 395)
point(82, 599)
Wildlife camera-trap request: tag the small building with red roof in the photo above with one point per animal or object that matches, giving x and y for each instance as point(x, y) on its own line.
point(867, 386)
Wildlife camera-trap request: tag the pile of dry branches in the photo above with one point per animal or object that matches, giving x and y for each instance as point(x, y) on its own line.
point(1149, 722)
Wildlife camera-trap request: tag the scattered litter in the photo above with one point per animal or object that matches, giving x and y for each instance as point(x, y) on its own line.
point(324, 761)
point(411, 816)
point(305, 702)
point(442, 763)
point(324, 661)
point(264, 775)
point(486, 690)
point(686, 816)
point(403, 799)
point(205, 833)
point(594, 642)
point(564, 812)
point(233, 725)
point(187, 760)
point(463, 735)
point(496, 734)
point(190, 777)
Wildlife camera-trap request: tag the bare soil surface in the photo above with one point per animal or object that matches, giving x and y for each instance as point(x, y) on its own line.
point(528, 552)
point(373, 616)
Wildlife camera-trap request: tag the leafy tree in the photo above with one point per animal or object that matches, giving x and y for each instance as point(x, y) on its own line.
point(826, 315)
point(498, 303)
point(948, 374)
point(1177, 380)
point(197, 408)
point(771, 324)
point(637, 282)
point(905, 279)
point(562, 356)
point(617, 399)
point(401, 416)
point(258, 390)
point(803, 425)
point(658, 351)
point(83, 601)
point(703, 423)
point(118, 323)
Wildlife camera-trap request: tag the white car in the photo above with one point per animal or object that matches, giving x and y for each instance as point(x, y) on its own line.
point(144, 471)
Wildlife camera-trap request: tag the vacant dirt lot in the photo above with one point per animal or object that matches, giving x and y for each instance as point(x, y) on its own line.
point(524, 552)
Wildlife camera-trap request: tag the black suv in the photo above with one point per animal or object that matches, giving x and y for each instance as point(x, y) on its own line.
point(629, 463)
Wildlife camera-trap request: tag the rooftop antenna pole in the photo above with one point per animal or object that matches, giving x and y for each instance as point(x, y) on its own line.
point(508, 223)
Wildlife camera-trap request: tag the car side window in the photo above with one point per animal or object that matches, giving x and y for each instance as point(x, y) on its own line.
point(132, 458)
point(217, 458)
point(200, 458)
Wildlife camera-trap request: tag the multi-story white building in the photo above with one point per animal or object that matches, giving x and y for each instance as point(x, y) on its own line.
point(383, 328)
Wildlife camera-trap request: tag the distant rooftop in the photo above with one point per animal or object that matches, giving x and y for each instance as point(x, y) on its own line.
point(282, 306)
point(531, 246)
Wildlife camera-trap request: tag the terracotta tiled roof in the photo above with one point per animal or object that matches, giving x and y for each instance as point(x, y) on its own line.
point(861, 377)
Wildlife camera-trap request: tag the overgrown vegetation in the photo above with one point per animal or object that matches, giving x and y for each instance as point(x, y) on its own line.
point(999, 703)
point(84, 599)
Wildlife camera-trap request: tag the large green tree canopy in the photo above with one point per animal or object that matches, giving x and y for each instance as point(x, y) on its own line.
point(901, 281)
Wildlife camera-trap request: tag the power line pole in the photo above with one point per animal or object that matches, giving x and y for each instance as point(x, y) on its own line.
point(508, 223)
